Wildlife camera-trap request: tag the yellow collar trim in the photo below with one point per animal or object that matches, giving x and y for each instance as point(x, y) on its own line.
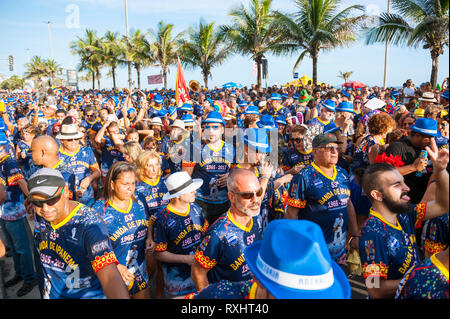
point(62, 152)
point(305, 153)
point(374, 213)
point(247, 229)
point(252, 293)
point(5, 157)
point(324, 123)
point(57, 164)
point(321, 172)
point(256, 169)
point(173, 210)
point(121, 210)
point(69, 217)
point(218, 149)
point(146, 181)
point(439, 265)
point(95, 121)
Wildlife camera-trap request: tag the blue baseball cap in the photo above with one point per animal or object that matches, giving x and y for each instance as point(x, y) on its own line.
point(275, 97)
point(257, 139)
point(425, 126)
point(252, 109)
point(281, 119)
point(345, 106)
point(214, 117)
point(292, 271)
point(329, 104)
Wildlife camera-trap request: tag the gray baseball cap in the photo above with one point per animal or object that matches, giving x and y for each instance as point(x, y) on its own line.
point(46, 181)
point(324, 139)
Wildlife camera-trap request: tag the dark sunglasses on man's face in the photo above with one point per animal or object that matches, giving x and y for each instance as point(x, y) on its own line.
point(250, 195)
point(297, 140)
point(49, 201)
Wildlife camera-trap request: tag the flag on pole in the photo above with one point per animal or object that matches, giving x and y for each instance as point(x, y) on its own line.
point(181, 92)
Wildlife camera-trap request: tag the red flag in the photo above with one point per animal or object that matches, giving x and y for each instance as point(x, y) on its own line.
point(181, 92)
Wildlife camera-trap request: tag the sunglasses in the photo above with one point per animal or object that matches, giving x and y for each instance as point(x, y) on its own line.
point(72, 139)
point(330, 148)
point(297, 140)
point(90, 115)
point(250, 195)
point(49, 201)
point(213, 127)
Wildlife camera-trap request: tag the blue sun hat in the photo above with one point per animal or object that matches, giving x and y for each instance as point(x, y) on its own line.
point(284, 96)
point(158, 99)
point(172, 110)
point(252, 109)
point(188, 120)
point(281, 119)
point(186, 107)
point(242, 103)
point(329, 104)
point(3, 139)
point(131, 110)
point(445, 95)
point(267, 122)
point(214, 117)
point(3, 127)
point(257, 139)
point(425, 126)
point(292, 261)
point(345, 106)
point(275, 97)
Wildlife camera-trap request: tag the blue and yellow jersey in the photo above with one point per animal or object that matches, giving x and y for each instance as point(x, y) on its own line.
point(179, 233)
point(427, 280)
point(153, 194)
point(110, 155)
point(213, 162)
point(127, 231)
point(388, 251)
point(10, 174)
point(292, 157)
point(222, 249)
point(26, 164)
point(78, 247)
point(435, 234)
point(82, 163)
point(225, 289)
point(281, 111)
point(323, 199)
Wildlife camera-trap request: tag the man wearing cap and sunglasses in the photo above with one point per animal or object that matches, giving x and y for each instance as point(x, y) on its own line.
point(321, 193)
point(76, 253)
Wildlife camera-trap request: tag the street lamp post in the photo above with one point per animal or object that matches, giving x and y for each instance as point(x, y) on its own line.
point(126, 25)
point(50, 39)
point(386, 50)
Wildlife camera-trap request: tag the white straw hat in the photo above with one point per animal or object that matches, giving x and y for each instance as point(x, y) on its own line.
point(69, 131)
point(181, 183)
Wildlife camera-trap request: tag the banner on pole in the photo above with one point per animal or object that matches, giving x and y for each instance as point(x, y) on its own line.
point(181, 92)
point(155, 79)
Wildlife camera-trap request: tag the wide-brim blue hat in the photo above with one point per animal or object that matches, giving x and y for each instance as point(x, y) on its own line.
point(257, 139)
point(3, 127)
point(214, 117)
point(275, 97)
point(3, 139)
point(281, 120)
point(445, 95)
point(425, 126)
point(267, 122)
point(292, 261)
point(186, 107)
point(252, 109)
point(345, 106)
point(158, 99)
point(329, 104)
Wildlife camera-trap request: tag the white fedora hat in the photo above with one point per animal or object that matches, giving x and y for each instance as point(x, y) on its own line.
point(428, 97)
point(179, 123)
point(156, 121)
point(69, 131)
point(180, 183)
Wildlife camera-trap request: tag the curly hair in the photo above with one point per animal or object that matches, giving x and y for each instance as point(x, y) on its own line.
point(379, 124)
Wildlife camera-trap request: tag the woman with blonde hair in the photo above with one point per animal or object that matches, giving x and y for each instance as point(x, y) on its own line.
point(131, 151)
point(152, 187)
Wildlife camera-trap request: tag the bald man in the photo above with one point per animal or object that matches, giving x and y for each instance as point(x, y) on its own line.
point(44, 152)
point(220, 255)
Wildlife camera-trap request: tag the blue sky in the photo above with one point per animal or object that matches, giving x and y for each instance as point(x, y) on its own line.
point(24, 34)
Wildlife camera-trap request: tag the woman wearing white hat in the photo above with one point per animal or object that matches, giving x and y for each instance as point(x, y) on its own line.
point(179, 230)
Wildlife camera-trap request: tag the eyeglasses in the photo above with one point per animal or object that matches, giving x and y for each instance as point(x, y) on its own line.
point(212, 127)
point(330, 148)
point(90, 115)
point(49, 201)
point(72, 139)
point(249, 195)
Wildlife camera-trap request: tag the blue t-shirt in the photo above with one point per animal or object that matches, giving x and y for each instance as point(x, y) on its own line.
point(225, 289)
point(127, 231)
point(292, 157)
point(323, 200)
point(222, 249)
point(77, 248)
point(427, 280)
point(81, 163)
point(212, 164)
point(153, 194)
point(110, 155)
point(388, 251)
point(26, 164)
point(10, 173)
point(435, 234)
point(179, 233)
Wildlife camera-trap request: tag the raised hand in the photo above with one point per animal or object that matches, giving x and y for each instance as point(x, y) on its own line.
point(439, 158)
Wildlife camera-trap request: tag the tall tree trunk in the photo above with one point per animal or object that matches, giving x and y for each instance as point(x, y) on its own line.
point(165, 78)
point(434, 68)
point(129, 74)
point(93, 80)
point(258, 61)
point(98, 80)
point(205, 79)
point(315, 58)
point(138, 71)
point(113, 71)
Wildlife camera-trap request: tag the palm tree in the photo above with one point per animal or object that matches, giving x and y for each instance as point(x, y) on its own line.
point(91, 58)
point(164, 47)
point(316, 26)
point(138, 51)
point(52, 68)
point(36, 68)
point(112, 52)
point(205, 48)
point(419, 23)
point(345, 75)
point(253, 31)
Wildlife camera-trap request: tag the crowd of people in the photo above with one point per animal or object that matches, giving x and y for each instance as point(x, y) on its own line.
point(238, 193)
